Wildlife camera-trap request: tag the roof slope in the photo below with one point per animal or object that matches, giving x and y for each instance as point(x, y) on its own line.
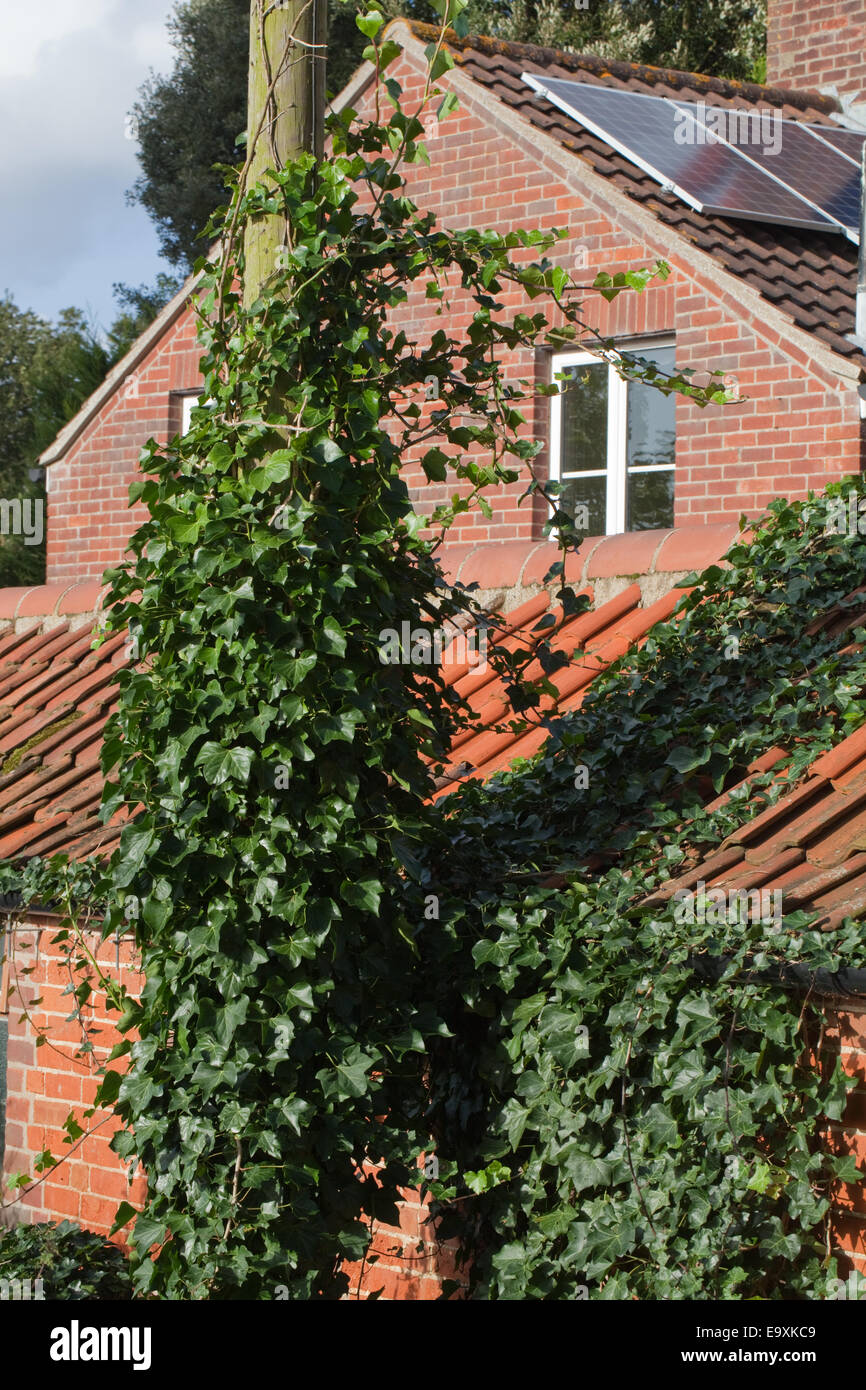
point(810, 276)
point(592, 641)
point(57, 692)
point(810, 844)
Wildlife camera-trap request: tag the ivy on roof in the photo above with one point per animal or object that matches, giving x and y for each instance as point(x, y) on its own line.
point(629, 1104)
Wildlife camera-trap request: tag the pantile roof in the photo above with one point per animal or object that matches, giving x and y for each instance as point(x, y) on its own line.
point(56, 693)
point(592, 640)
point(57, 690)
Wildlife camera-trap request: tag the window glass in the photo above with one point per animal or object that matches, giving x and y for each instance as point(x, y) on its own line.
point(650, 501)
point(650, 445)
point(187, 405)
point(585, 500)
point(651, 418)
point(584, 418)
point(615, 445)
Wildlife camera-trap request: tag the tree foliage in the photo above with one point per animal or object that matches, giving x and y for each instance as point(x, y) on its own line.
point(724, 38)
point(46, 371)
point(190, 120)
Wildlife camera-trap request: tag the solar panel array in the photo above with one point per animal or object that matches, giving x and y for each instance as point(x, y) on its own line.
point(738, 162)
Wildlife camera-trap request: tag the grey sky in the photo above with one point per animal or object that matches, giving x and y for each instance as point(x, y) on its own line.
point(69, 73)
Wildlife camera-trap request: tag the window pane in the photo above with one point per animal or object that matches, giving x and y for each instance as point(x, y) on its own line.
point(584, 419)
point(651, 418)
point(585, 500)
point(650, 503)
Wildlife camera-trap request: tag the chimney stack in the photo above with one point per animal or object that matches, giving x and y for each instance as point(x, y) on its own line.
point(819, 45)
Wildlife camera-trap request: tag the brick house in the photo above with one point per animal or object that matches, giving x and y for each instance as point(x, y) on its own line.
point(665, 483)
point(772, 306)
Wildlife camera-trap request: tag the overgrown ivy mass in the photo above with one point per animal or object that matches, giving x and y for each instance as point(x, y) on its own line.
point(621, 1103)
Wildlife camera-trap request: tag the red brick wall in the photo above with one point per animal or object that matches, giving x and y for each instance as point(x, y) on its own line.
point(89, 518)
point(798, 429)
point(44, 1083)
point(817, 43)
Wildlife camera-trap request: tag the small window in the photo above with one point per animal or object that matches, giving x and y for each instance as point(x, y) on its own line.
point(186, 408)
point(613, 444)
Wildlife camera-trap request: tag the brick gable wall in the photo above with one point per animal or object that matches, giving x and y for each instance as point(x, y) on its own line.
point(89, 518)
point(817, 44)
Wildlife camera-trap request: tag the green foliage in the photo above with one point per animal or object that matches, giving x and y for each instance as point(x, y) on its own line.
point(670, 1150)
point(277, 865)
point(190, 120)
point(619, 1099)
point(73, 1264)
point(46, 371)
point(724, 38)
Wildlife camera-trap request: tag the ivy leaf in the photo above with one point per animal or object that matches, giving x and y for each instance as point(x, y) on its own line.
point(365, 895)
point(370, 23)
point(220, 765)
point(686, 759)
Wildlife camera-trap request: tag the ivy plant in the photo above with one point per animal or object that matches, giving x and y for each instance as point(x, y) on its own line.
point(282, 857)
point(634, 1099)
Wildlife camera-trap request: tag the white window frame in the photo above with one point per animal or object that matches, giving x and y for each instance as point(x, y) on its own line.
point(617, 428)
point(187, 403)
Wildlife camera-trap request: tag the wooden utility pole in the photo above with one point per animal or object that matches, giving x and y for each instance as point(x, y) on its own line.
point(286, 106)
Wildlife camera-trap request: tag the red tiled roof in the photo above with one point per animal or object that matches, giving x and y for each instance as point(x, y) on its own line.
point(599, 637)
point(56, 693)
point(810, 276)
point(810, 844)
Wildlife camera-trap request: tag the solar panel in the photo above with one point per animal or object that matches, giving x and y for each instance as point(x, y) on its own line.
point(786, 150)
point(850, 142)
point(676, 143)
